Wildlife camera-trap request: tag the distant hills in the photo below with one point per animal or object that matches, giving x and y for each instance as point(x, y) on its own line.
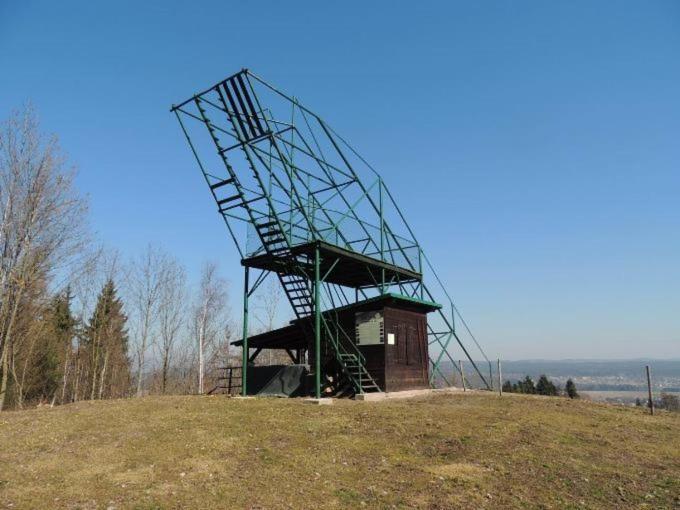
point(631, 368)
point(624, 375)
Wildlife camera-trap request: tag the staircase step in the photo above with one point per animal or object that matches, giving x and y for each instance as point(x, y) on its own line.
point(266, 225)
point(228, 199)
point(300, 290)
point(271, 233)
point(296, 284)
point(221, 183)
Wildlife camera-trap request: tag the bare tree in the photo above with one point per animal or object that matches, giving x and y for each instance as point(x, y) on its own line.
point(267, 307)
point(146, 279)
point(41, 224)
point(267, 304)
point(171, 316)
point(208, 308)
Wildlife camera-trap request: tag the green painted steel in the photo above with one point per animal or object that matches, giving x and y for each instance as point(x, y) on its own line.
point(317, 326)
point(244, 371)
point(282, 177)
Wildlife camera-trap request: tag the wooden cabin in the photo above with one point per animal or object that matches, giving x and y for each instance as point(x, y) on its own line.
point(389, 330)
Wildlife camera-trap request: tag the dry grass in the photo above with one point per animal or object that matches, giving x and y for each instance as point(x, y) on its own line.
point(448, 451)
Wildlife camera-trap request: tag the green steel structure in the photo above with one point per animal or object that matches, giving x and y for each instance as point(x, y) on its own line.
point(300, 203)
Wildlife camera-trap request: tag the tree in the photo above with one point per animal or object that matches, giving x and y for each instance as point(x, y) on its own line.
point(210, 302)
point(28, 339)
point(670, 402)
point(526, 386)
point(267, 310)
point(545, 386)
point(145, 283)
point(507, 387)
point(41, 229)
point(570, 389)
point(106, 346)
point(56, 350)
point(171, 308)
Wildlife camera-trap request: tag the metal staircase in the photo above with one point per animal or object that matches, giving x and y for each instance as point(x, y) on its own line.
point(350, 359)
point(248, 125)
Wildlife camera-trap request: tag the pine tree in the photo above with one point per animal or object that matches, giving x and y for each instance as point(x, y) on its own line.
point(570, 389)
point(527, 386)
point(106, 347)
point(507, 387)
point(545, 386)
point(59, 331)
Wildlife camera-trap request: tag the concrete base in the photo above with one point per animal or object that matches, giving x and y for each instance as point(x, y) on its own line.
point(377, 397)
point(241, 397)
point(319, 401)
point(370, 397)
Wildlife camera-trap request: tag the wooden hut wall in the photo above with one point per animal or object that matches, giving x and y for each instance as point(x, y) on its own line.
point(397, 367)
point(406, 362)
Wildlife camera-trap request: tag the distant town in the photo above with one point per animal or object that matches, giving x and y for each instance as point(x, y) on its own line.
point(613, 381)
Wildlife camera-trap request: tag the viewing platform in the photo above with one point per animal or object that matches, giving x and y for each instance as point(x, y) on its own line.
point(342, 267)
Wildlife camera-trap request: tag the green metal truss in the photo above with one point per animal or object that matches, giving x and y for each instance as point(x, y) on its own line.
point(282, 178)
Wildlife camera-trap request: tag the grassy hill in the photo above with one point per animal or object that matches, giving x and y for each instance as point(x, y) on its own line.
point(447, 451)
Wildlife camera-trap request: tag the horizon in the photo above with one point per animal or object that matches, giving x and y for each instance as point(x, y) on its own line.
point(537, 160)
point(583, 360)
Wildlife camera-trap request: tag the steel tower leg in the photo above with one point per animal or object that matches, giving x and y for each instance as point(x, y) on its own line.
point(244, 369)
point(317, 326)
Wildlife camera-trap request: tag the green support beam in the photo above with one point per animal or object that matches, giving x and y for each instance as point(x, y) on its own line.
point(244, 370)
point(317, 325)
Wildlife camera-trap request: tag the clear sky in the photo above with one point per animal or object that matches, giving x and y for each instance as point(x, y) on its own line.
point(534, 146)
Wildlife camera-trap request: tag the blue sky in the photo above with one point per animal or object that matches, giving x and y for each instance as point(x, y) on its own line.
point(534, 146)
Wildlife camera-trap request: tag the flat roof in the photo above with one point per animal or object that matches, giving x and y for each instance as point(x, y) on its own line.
point(293, 335)
point(287, 337)
point(417, 304)
point(342, 266)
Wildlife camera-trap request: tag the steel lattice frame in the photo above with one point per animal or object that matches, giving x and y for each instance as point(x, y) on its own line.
point(270, 161)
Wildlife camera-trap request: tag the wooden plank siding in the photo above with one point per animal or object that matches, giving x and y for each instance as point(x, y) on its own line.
point(402, 366)
point(406, 362)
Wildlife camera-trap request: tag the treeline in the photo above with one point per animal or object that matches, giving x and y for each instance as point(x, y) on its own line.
point(544, 386)
point(78, 322)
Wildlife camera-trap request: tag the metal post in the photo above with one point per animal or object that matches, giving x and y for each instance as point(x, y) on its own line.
point(317, 326)
point(420, 271)
point(500, 378)
point(244, 369)
point(649, 391)
point(382, 238)
point(382, 222)
point(462, 374)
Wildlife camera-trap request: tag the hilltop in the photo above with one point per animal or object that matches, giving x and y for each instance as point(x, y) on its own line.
point(446, 451)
